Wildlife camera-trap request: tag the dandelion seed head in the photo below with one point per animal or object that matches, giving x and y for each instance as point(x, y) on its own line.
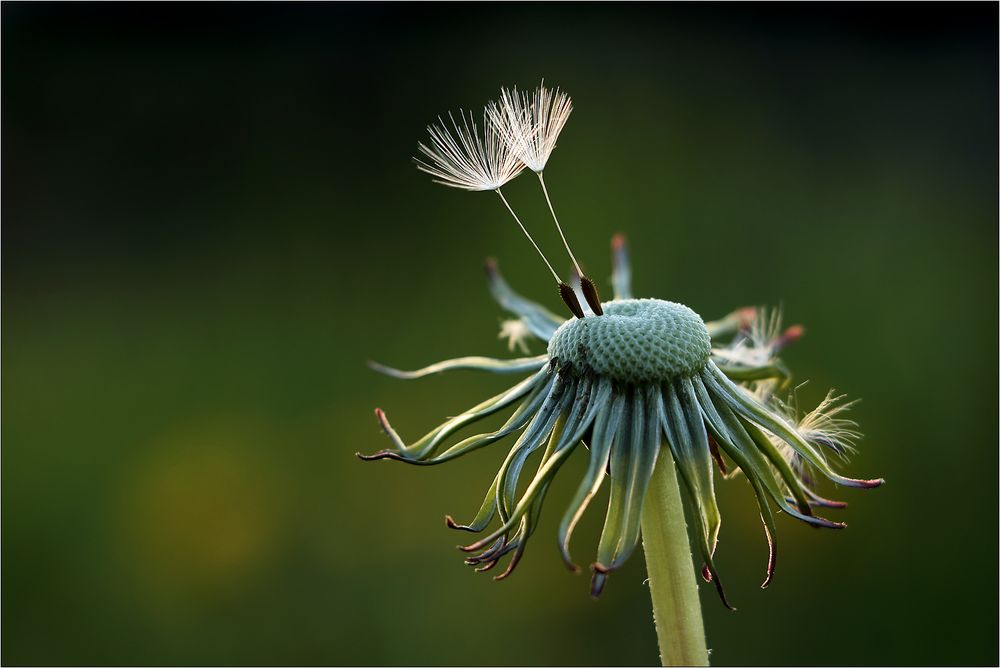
point(637, 384)
point(636, 340)
point(633, 380)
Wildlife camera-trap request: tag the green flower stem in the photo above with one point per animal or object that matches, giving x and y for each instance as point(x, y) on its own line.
point(672, 585)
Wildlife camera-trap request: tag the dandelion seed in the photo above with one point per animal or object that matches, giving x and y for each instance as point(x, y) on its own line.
point(531, 126)
point(466, 158)
point(752, 353)
point(462, 157)
point(517, 333)
point(825, 427)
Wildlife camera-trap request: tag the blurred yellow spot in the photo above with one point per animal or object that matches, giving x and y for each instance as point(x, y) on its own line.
point(202, 513)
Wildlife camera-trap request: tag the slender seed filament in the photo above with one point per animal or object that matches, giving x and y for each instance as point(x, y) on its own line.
point(523, 229)
point(552, 210)
point(588, 287)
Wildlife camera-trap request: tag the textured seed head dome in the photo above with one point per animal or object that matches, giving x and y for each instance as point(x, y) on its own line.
point(636, 340)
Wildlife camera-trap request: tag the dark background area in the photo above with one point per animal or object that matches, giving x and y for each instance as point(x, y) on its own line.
point(211, 221)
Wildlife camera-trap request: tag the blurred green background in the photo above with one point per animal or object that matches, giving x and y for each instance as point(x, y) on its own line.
point(211, 221)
